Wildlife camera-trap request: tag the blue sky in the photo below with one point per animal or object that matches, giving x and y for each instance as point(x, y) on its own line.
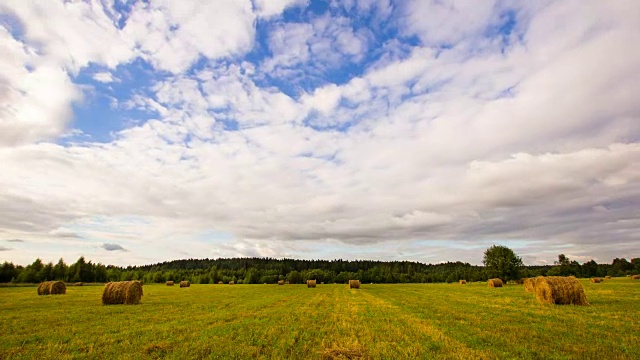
point(133, 132)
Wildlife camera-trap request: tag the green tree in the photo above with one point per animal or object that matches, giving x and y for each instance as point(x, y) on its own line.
point(60, 270)
point(502, 262)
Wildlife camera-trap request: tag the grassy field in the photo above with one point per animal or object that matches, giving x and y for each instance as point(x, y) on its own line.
point(417, 321)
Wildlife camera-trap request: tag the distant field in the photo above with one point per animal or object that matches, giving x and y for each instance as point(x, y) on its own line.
point(269, 321)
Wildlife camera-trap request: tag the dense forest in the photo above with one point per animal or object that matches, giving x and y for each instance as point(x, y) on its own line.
point(267, 270)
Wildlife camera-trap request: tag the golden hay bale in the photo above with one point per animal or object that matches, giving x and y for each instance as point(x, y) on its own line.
point(52, 288)
point(462, 282)
point(560, 290)
point(635, 277)
point(141, 283)
point(311, 283)
point(607, 277)
point(280, 282)
point(78, 284)
point(595, 280)
point(170, 283)
point(494, 283)
point(231, 283)
point(185, 284)
point(530, 284)
point(354, 284)
point(322, 283)
point(43, 288)
point(220, 283)
point(122, 292)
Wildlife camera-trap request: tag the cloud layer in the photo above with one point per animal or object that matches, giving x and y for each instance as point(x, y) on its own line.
point(413, 130)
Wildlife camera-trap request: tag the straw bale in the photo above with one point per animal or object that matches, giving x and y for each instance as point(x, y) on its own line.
point(560, 290)
point(122, 292)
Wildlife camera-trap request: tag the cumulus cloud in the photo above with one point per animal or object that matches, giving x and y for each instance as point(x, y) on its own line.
point(269, 8)
point(113, 247)
point(104, 77)
point(435, 150)
point(174, 35)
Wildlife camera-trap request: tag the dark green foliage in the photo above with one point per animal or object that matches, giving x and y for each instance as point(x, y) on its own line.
point(501, 262)
point(268, 270)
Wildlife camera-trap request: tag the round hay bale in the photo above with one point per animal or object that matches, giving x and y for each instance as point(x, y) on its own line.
point(52, 288)
point(530, 284)
point(635, 277)
point(322, 283)
point(560, 290)
point(354, 284)
point(595, 280)
point(231, 283)
point(43, 288)
point(57, 288)
point(141, 283)
point(185, 284)
point(463, 282)
point(122, 292)
point(311, 283)
point(220, 283)
point(607, 277)
point(78, 284)
point(170, 283)
point(280, 282)
point(495, 283)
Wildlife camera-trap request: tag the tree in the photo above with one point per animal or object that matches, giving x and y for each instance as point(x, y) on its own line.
point(502, 262)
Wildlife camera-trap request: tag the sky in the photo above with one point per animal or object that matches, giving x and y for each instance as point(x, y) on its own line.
point(134, 132)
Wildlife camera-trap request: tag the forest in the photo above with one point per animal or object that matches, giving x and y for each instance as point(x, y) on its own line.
point(270, 270)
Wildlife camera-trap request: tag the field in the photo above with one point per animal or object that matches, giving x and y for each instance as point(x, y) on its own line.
point(420, 321)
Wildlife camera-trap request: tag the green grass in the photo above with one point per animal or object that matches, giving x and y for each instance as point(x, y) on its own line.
point(417, 321)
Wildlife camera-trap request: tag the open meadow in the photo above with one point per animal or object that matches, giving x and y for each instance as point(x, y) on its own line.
point(420, 321)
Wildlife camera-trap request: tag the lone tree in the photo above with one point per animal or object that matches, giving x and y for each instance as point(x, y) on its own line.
point(502, 262)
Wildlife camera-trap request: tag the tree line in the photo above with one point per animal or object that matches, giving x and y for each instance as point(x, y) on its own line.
point(499, 261)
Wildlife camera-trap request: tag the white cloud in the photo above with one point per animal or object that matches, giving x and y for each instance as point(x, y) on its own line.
point(173, 35)
point(269, 8)
point(104, 77)
point(325, 43)
point(35, 96)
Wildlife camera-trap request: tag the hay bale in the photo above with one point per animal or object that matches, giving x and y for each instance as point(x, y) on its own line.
point(185, 284)
point(52, 288)
point(286, 282)
point(463, 282)
point(635, 277)
point(220, 283)
point(170, 283)
point(78, 284)
point(122, 292)
point(141, 283)
point(560, 290)
point(311, 283)
point(354, 284)
point(43, 288)
point(231, 282)
point(530, 284)
point(595, 280)
point(280, 282)
point(607, 277)
point(495, 283)
point(322, 283)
